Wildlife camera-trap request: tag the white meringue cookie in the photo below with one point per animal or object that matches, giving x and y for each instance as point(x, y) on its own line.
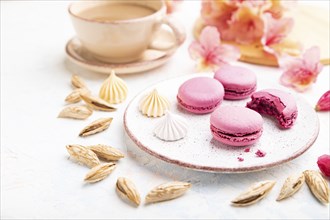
point(171, 128)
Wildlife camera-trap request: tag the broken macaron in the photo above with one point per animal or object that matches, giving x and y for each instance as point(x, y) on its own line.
point(276, 103)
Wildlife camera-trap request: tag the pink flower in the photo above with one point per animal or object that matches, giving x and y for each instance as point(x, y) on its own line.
point(275, 30)
point(324, 102)
point(209, 52)
point(324, 164)
point(300, 73)
point(238, 21)
point(242, 21)
point(218, 14)
point(246, 26)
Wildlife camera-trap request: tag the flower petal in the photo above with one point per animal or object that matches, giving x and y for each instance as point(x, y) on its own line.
point(203, 65)
point(246, 26)
point(223, 54)
point(196, 50)
point(288, 62)
point(209, 52)
point(209, 38)
point(312, 59)
point(324, 102)
point(217, 12)
point(300, 73)
point(323, 163)
point(275, 30)
point(229, 53)
point(297, 78)
point(286, 78)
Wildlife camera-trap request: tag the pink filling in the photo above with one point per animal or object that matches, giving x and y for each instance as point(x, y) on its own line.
point(267, 106)
point(240, 137)
point(242, 92)
point(196, 108)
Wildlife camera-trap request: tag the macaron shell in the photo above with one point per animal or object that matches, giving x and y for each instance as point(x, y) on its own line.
point(201, 92)
point(236, 77)
point(238, 82)
point(236, 120)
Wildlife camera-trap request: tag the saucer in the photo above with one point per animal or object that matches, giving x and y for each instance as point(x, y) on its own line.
point(150, 59)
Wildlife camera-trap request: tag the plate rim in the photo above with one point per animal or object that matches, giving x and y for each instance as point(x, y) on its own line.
point(210, 168)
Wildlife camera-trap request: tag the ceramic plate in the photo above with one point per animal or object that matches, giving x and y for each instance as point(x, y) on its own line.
point(149, 60)
point(198, 150)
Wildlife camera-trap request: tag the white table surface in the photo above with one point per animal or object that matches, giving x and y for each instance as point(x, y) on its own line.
point(37, 179)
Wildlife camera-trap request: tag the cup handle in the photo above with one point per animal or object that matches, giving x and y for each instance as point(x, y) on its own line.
point(178, 32)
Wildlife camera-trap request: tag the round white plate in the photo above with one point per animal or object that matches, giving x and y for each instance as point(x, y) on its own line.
point(198, 150)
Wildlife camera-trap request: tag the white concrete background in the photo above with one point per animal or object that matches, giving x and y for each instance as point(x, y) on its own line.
point(37, 179)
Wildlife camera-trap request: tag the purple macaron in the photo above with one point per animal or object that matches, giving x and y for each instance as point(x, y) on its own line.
point(276, 103)
point(236, 126)
point(238, 82)
point(200, 95)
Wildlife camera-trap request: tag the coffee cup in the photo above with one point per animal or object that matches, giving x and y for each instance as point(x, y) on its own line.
point(119, 31)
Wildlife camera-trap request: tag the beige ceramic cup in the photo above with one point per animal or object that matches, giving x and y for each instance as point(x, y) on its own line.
point(120, 41)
